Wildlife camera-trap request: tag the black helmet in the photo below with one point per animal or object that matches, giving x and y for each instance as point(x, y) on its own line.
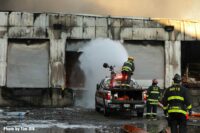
point(155, 81)
point(177, 78)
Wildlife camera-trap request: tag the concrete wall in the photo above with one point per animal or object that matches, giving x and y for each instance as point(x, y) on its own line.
point(59, 27)
point(172, 60)
point(57, 58)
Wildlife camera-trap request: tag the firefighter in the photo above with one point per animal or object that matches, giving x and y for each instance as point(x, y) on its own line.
point(127, 70)
point(176, 103)
point(153, 96)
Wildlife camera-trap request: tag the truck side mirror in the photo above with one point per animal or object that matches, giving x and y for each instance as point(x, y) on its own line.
point(98, 86)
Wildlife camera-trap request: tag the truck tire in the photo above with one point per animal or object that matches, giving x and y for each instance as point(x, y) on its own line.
point(96, 107)
point(106, 111)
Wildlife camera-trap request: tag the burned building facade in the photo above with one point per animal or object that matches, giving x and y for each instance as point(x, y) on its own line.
point(37, 52)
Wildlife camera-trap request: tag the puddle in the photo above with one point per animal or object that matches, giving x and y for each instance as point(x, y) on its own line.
point(75, 120)
point(53, 127)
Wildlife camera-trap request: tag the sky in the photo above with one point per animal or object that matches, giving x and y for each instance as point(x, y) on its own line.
point(180, 9)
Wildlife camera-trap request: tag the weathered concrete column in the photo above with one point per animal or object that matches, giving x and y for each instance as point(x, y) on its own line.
point(172, 60)
point(3, 65)
point(57, 70)
point(57, 58)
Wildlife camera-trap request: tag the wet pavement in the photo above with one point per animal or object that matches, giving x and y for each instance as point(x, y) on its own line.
point(76, 120)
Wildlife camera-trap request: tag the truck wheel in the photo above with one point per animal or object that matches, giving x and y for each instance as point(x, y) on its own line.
point(106, 111)
point(96, 107)
point(140, 114)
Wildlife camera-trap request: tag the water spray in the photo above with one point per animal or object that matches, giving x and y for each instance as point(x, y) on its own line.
point(95, 53)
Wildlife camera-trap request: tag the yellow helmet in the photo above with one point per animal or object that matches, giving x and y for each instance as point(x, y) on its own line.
point(131, 58)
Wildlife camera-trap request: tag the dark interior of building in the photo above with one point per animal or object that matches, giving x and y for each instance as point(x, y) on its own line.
point(190, 60)
point(73, 70)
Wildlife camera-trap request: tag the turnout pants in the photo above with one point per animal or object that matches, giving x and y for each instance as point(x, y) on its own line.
point(151, 109)
point(177, 123)
point(126, 77)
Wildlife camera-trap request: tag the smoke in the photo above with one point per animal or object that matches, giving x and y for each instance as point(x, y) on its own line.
point(63, 6)
point(96, 53)
point(181, 9)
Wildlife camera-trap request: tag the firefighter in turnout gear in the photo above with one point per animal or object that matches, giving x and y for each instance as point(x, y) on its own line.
point(127, 70)
point(153, 96)
point(176, 104)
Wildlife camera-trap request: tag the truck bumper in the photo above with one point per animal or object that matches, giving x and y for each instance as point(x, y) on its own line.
point(126, 106)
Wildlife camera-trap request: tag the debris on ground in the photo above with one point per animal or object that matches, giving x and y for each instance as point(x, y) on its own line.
point(130, 128)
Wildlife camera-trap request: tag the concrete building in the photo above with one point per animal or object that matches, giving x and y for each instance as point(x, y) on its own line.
point(162, 47)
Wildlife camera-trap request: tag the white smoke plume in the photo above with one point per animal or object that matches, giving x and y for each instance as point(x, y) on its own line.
point(181, 9)
point(96, 53)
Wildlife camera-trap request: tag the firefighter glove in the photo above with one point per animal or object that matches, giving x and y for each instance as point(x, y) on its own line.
point(190, 112)
point(165, 112)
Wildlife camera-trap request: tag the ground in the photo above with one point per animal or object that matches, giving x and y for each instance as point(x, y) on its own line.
point(74, 120)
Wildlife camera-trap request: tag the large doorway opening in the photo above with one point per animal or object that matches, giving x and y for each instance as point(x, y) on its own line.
point(190, 61)
point(149, 61)
point(28, 63)
point(75, 77)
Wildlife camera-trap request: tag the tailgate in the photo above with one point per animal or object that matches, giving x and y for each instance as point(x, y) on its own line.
point(115, 101)
point(127, 96)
